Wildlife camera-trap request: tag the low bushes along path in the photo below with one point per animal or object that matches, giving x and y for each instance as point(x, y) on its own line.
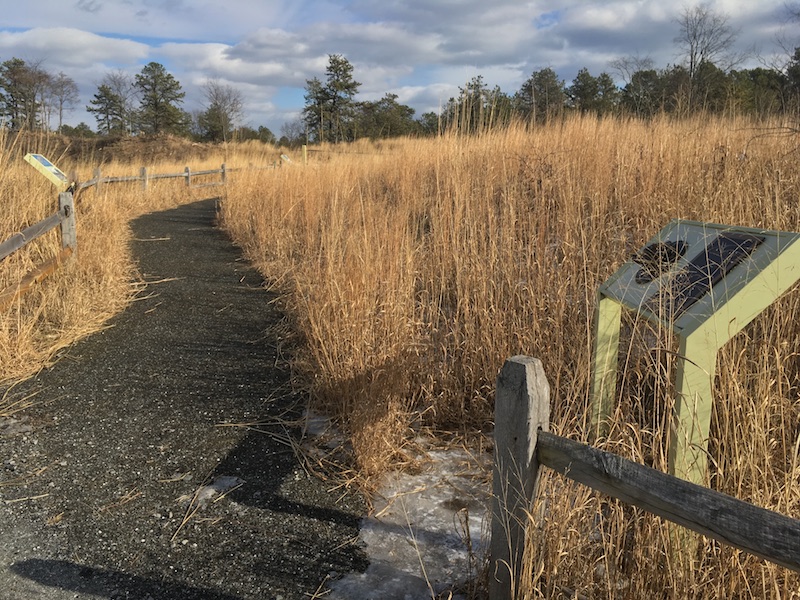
point(123, 480)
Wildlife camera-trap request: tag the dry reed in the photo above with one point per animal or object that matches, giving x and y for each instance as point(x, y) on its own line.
point(415, 267)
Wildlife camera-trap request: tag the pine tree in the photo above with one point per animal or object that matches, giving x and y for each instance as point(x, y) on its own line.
point(160, 96)
point(329, 112)
point(108, 110)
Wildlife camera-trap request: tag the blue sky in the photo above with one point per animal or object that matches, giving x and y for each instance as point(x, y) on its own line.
point(421, 50)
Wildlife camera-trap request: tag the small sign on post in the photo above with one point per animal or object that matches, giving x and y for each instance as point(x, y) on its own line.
point(66, 202)
point(49, 170)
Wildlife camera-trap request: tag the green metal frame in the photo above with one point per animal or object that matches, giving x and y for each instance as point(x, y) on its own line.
point(702, 330)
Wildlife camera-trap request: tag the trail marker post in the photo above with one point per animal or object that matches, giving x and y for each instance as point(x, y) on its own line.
point(66, 203)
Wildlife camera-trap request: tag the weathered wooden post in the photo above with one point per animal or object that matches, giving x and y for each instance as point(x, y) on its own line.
point(188, 176)
point(143, 175)
point(224, 174)
point(69, 234)
point(522, 407)
point(98, 179)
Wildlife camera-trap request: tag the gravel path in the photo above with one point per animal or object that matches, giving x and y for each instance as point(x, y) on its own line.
point(122, 482)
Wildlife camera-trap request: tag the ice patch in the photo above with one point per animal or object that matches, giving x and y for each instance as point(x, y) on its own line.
point(429, 532)
point(219, 486)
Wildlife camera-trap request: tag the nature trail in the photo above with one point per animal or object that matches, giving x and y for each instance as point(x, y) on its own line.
point(157, 461)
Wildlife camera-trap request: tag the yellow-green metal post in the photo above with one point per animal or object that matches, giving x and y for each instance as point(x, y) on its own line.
point(694, 401)
point(607, 318)
point(696, 366)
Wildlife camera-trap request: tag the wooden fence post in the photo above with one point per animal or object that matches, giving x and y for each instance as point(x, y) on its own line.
point(98, 179)
point(223, 173)
point(188, 176)
point(69, 234)
point(143, 174)
point(522, 407)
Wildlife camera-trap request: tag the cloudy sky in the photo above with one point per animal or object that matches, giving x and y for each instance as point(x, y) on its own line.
point(421, 50)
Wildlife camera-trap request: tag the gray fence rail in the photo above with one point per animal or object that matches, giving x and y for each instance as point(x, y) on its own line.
point(27, 235)
point(65, 217)
point(146, 177)
point(523, 444)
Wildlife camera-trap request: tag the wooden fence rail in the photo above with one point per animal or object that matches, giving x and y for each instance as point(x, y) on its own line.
point(65, 217)
point(27, 235)
point(523, 444)
point(145, 177)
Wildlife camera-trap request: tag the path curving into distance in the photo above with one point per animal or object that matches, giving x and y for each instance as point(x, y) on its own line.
point(124, 480)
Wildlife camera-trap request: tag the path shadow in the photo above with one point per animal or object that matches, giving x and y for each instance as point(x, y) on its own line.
point(271, 476)
point(67, 575)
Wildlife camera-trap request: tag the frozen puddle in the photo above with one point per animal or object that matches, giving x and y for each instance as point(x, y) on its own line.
point(428, 534)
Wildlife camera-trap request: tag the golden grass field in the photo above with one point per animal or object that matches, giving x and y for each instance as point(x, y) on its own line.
point(413, 268)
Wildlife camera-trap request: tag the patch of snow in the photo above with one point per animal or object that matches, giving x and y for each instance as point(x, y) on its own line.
point(219, 486)
point(428, 534)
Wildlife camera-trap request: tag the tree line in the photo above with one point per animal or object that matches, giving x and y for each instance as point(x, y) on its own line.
point(148, 102)
point(30, 96)
point(706, 81)
point(332, 115)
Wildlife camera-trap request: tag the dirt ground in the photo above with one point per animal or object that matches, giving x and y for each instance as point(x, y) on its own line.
point(157, 461)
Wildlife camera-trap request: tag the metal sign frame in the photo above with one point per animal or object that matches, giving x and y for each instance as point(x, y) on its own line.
point(705, 282)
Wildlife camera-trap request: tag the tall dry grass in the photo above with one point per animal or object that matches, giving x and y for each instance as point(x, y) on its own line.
point(416, 267)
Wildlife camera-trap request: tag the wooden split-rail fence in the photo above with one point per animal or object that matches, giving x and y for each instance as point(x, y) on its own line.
point(523, 444)
point(144, 177)
point(65, 219)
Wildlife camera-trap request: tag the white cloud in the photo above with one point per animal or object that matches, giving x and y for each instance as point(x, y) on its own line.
point(376, 43)
point(428, 98)
point(187, 20)
point(270, 43)
point(422, 50)
point(65, 47)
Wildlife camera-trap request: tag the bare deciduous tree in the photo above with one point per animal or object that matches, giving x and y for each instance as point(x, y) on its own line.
point(123, 86)
point(38, 82)
point(706, 36)
point(627, 66)
point(64, 92)
point(294, 132)
point(223, 112)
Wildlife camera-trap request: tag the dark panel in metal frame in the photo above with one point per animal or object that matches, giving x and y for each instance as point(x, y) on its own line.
point(702, 273)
